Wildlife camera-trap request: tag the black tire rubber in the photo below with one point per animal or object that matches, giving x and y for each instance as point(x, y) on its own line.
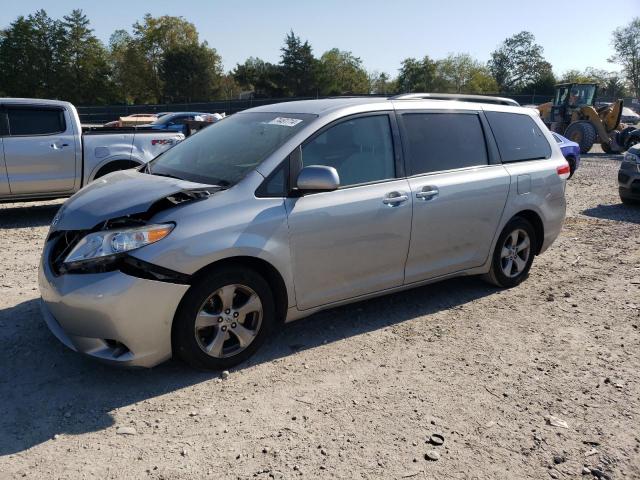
point(495, 275)
point(629, 201)
point(606, 148)
point(572, 166)
point(183, 340)
point(583, 133)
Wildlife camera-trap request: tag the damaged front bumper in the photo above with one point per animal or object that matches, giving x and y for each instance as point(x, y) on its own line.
point(110, 316)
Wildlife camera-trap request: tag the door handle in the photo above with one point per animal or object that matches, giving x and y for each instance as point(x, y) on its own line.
point(58, 146)
point(427, 193)
point(393, 199)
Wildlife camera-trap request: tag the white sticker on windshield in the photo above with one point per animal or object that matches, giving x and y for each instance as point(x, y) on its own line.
point(285, 122)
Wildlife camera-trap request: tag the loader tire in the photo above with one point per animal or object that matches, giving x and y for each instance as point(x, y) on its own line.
point(583, 133)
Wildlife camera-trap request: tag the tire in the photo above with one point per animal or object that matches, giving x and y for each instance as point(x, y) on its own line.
point(583, 133)
point(214, 300)
point(521, 229)
point(629, 201)
point(572, 166)
point(606, 148)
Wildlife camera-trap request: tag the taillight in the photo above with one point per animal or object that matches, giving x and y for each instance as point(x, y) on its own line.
point(564, 171)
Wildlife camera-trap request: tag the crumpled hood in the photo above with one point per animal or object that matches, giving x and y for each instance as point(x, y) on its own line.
point(119, 194)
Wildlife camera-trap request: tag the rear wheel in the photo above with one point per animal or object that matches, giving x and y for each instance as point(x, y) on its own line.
point(583, 133)
point(513, 255)
point(223, 319)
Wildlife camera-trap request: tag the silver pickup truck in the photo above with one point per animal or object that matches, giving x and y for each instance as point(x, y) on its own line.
point(44, 152)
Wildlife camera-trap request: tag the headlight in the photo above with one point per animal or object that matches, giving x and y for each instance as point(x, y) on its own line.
point(632, 157)
point(108, 243)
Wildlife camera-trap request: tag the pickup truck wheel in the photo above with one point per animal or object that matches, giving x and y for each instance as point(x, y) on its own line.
point(513, 254)
point(116, 166)
point(223, 319)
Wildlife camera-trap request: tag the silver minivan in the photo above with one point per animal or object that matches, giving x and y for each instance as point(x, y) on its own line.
point(283, 210)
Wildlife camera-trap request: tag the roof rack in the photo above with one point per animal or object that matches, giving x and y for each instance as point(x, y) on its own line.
point(456, 96)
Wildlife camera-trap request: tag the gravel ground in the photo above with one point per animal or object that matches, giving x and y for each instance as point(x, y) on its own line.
point(356, 392)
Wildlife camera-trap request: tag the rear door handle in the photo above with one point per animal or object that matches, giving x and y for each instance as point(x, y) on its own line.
point(393, 199)
point(428, 192)
point(58, 146)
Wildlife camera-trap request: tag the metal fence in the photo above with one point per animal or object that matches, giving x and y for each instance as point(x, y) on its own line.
point(107, 113)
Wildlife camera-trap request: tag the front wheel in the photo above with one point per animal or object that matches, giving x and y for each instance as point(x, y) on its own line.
point(223, 319)
point(583, 133)
point(513, 255)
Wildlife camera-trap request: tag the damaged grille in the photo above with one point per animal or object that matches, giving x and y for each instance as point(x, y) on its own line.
point(63, 243)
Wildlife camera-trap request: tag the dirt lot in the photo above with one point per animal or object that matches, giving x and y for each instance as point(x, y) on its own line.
point(355, 392)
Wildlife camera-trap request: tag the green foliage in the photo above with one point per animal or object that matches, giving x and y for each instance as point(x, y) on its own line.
point(85, 63)
point(298, 66)
point(518, 63)
point(190, 73)
point(626, 43)
point(31, 57)
point(462, 73)
point(263, 78)
point(416, 75)
point(381, 83)
point(341, 73)
point(161, 59)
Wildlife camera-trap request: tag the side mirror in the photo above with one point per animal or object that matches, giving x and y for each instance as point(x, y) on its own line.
point(318, 178)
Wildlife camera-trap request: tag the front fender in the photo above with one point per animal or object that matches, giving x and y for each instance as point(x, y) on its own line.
point(232, 223)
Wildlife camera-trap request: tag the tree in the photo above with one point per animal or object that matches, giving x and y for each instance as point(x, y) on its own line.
point(31, 57)
point(626, 43)
point(131, 73)
point(262, 78)
point(86, 69)
point(298, 66)
point(190, 73)
point(416, 75)
point(19, 71)
point(381, 83)
point(461, 73)
point(340, 73)
point(156, 36)
point(518, 62)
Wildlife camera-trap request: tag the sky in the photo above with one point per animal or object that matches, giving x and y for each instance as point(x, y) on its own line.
point(574, 35)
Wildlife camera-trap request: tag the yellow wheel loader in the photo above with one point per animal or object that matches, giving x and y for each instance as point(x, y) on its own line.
point(573, 114)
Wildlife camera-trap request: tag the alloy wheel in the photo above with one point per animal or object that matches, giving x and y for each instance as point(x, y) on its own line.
point(515, 253)
point(228, 321)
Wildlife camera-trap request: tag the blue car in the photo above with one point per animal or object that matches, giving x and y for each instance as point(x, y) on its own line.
point(175, 121)
point(570, 150)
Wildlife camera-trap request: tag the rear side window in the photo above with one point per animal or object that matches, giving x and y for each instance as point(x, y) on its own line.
point(519, 137)
point(443, 141)
point(35, 121)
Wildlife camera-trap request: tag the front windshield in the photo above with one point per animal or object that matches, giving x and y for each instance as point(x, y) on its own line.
point(223, 153)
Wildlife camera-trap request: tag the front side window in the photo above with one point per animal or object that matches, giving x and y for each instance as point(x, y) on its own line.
point(518, 136)
point(223, 153)
point(360, 149)
point(443, 141)
point(35, 121)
